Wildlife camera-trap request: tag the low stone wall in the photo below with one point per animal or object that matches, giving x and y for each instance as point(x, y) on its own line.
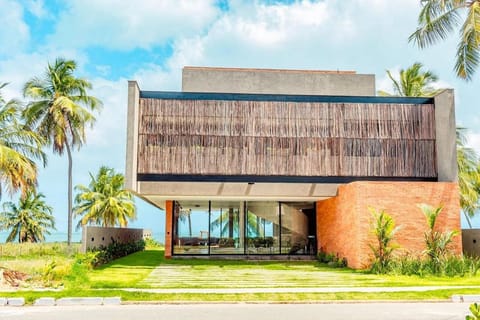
point(471, 242)
point(95, 237)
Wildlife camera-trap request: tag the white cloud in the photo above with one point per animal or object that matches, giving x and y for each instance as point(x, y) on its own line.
point(473, 140)
point(18, 69)
point(37, 8)
point(306, 34)
point(131, 24)
point(14, 32)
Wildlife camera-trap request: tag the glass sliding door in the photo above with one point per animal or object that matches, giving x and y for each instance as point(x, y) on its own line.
point(227, 227)
point(190, 227)
point(294, 228)
point(263, 228)
point(238, 227)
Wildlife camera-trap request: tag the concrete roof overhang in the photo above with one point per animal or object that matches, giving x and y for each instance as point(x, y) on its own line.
point(157, 192)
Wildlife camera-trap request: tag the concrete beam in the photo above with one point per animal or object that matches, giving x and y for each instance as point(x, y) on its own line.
point(445, 132)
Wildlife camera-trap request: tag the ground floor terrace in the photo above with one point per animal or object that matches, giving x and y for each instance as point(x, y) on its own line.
point(339, 225)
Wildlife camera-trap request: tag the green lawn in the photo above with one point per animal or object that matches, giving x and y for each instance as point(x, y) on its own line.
point(148, 269)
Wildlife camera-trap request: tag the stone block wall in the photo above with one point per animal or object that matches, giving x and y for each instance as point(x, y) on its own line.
point(344, 221)
point(95, 237)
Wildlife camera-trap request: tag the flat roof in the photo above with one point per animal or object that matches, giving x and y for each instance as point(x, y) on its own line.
point(176, 95)
point(270, 70)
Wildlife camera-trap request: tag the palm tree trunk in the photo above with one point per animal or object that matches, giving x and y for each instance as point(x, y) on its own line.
point(69, 228)
point(190, 225)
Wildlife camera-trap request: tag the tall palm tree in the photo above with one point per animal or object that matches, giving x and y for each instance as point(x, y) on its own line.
point(468, 176)
point(467, 159)
point(19, 147)
point(59, 111)
point(438, 18)
point(28, 221)
point(104, 202)
point(413, 82)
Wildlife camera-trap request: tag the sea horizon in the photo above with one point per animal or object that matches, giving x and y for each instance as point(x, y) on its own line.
point(60, 236)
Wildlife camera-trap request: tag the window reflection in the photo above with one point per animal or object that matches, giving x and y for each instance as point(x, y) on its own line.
point(238, 227)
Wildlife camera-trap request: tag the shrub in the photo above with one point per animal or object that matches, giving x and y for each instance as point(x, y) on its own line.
point(450, 267)
point(115, 250)
point(152, 243)
point(437, 243)
point(475, 310)
point(383, 227)
point(332, 260)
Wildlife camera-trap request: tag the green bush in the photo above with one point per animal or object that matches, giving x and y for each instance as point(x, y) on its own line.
point(332, 260)
point(115, 250)
point(450, 266)
point(475, 310)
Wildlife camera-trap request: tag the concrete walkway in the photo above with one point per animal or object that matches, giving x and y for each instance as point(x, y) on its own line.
point(298, 290)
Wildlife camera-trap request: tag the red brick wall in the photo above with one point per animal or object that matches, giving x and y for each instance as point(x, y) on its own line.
point(168, 228)
point(343, 222)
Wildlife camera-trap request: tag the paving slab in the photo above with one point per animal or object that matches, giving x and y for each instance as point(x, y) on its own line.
point(16, 302)
point(112, 301)
point(44, 302)
point(466, 298)
point(90, 301)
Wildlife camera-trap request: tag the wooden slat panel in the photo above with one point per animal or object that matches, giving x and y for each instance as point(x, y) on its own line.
point(286, 138)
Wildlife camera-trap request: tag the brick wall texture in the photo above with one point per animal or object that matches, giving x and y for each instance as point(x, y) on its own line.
point(344, 221)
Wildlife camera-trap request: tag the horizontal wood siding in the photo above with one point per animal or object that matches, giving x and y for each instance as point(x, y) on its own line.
point(218, 137)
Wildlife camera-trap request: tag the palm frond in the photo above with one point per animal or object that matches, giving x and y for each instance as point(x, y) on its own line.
point(468, 48)
point(437, 19)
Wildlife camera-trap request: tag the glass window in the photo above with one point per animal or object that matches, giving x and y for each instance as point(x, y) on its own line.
point(227, 227)
point(238, 227)
point(263, 228)
point(190, 224)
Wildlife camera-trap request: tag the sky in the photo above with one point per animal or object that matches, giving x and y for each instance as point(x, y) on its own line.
point(151, 40)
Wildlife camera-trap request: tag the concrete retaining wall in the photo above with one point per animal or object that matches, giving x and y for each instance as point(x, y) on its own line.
point(95, 237)
point(471, 242)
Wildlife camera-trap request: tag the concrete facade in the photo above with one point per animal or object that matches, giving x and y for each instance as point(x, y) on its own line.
point(343, 220)
point(446, 136)
point(132, 136)
point(274, 81)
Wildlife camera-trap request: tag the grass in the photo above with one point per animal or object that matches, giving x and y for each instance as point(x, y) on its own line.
point(149, 269)
point(35, 258)
point(433, 295)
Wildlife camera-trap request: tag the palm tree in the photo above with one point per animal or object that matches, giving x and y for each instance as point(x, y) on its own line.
point(104, 202)
point(28, 221)
point(228, 222)
point(468, 176)
point(438, 18)
point(59, 111)
point(413, 82)
point(19, 147)
point(467, 159)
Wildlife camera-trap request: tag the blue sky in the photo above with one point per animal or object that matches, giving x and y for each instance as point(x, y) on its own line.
point(151, 40)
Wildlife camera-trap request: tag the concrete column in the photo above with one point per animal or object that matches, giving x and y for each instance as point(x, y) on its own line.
point(168, 228)
point(132, 136)
point(241, 224)
point(445, 132)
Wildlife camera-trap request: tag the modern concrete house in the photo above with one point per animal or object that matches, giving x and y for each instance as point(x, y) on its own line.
point(288, 162)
